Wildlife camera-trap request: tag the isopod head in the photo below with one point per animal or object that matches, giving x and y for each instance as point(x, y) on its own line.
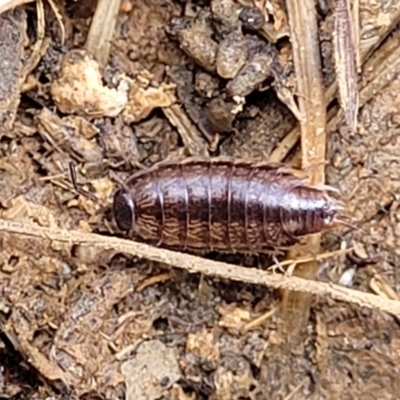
point(123, 210)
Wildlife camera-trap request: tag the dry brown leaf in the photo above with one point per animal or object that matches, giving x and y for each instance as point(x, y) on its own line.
point(143, 97)
point(22, 210)
point(47, 369)
point(64, 134)
point(82, 125)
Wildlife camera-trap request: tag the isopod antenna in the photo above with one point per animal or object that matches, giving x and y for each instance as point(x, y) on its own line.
point(78, 189)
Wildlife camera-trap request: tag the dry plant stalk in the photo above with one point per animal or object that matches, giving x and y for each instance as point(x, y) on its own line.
point(355, 15)
point(376, 65)
point(312, 105)
point(194, 264)
point(192, 139)
point(102, 30)
point(345, 62)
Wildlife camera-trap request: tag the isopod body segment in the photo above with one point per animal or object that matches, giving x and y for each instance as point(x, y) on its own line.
point(222, 204)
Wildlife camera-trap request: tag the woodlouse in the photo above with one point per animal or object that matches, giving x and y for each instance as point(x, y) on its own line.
point(222, 204)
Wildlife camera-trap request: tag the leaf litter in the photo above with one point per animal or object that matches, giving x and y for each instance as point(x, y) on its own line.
point(78, 311)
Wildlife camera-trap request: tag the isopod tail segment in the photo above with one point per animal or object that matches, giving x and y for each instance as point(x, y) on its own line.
point(339, 219)
point(309, 213)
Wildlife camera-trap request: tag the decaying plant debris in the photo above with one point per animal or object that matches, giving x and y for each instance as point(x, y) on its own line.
point(87, 314)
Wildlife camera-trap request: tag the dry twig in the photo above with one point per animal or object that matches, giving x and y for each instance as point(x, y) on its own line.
point(101, 31)
point(345, 62)
point(195, 264)
point(382, 68)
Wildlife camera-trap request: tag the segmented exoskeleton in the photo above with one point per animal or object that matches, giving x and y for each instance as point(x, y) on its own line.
point(224, 205)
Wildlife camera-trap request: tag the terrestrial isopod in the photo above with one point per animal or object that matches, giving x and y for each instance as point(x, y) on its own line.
point(224, 205)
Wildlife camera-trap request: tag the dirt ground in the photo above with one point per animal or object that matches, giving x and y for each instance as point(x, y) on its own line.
point(187, 79)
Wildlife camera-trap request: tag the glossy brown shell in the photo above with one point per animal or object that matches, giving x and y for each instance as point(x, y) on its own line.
point(222, 204)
